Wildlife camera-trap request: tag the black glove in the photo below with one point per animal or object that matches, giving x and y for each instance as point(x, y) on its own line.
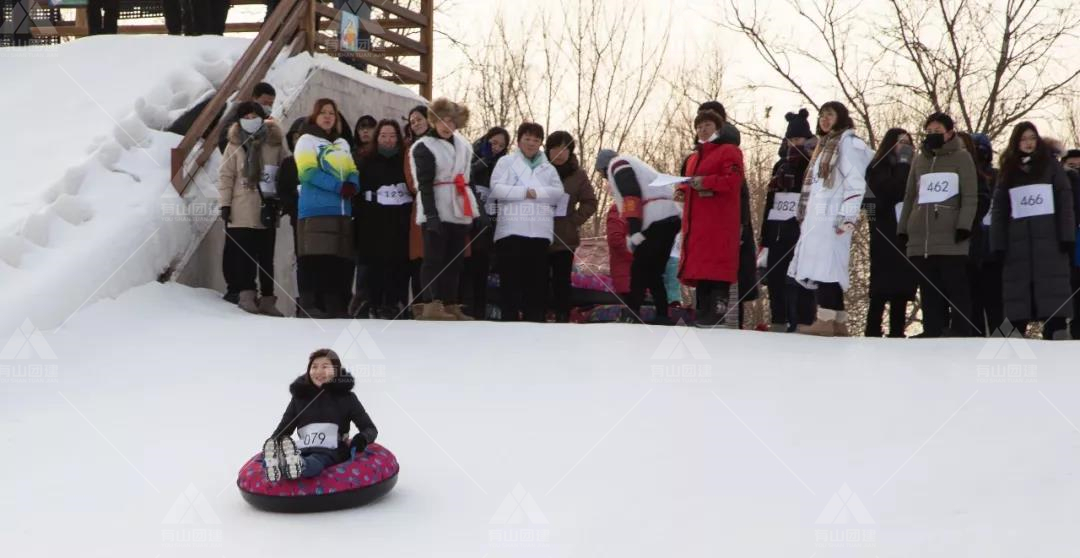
point(226, 214)
point(962, 235)
point(433, 225)
point(902, 239)
point(358, 443)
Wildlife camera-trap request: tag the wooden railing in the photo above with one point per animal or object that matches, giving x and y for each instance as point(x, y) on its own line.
point(297, 25)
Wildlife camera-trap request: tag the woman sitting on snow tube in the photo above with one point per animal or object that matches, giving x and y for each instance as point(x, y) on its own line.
point(324, 469)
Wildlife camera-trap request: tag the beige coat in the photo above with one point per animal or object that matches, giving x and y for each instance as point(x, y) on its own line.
point(233, 187)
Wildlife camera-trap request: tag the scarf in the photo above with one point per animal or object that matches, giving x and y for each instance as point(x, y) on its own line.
point(569, 167)
point(828, 150)
point(253, 165)
point(535, 161)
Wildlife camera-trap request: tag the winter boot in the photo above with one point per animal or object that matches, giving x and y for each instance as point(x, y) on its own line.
point(778, 328)
point(823, 326)
point(247, 302)
point(231, 297)
point(717, 309)
point(458, 313)
point(336, 307)
point(268, 307)
point(272, 459)
point(388, 313)
point(292, 463)
point(435, 311)
point(307, 308)
point(840, 327)
point(359, 307)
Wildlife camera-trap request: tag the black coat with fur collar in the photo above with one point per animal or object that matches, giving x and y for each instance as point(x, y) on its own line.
point(333, 403)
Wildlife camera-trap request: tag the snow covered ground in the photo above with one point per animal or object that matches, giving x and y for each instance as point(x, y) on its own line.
point(124, 429)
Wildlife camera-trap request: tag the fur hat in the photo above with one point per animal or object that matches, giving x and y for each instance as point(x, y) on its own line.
point(448, 111)
point(798, 125)
point(604, 158)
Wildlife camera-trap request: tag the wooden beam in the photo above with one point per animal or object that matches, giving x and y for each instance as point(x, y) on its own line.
point(393, 8)
point(396, 38)
point(427, 58)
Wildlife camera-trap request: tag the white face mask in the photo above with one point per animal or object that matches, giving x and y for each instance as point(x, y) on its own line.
point(251, 125)
point(268, 109)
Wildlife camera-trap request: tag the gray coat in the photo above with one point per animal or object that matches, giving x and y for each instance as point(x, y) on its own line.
point(1035, 278)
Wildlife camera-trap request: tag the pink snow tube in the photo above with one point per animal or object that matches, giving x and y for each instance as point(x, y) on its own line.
point(345, 485)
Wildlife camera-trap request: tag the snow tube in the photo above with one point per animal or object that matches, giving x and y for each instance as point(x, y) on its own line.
point(346, 485)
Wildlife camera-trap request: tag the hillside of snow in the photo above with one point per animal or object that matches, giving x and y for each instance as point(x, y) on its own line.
point(123, 432)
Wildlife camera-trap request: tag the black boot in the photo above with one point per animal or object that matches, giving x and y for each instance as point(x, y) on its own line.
point(715, 310)
point(306, 307)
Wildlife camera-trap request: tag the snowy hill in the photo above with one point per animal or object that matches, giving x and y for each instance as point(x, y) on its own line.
point(540, 440)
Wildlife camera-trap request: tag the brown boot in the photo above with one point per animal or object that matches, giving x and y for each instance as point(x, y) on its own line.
point(268, 307)
point(840, 326)
point(247, 302)
point(459, 315)
point(823, 326)
point(435, 311)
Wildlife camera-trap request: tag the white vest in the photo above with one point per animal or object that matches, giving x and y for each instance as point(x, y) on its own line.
point(450, 161)
point(518, 216)
point(656, 201)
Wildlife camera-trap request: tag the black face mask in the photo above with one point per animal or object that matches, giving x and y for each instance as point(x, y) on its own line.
point(934, 141)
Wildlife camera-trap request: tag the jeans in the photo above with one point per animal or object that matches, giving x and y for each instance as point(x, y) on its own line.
point(315, 463)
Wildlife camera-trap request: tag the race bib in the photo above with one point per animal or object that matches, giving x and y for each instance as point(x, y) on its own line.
point(318, 435)
point(394, 194)
point(784, 206)
point(937, 187)
point(268, 180)
point(1032, 201)
point(899, 209)
point(562, 205)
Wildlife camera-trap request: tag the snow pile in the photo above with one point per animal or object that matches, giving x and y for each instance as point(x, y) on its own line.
point(88, 211)
point(540, 440)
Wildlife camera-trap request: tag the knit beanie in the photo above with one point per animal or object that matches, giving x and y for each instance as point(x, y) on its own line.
point(798, 125)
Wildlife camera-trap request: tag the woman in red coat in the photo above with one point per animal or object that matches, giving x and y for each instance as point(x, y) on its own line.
point(711, 218)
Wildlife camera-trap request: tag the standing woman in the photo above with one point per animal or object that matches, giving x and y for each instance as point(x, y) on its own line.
point(892, 277)
point(1034, 227)
point(445, 208)
point(388, 215)
point(828, 209)
point(526, 188)
point(486, 153)
point(416, 128)
point(577, 206)
point(364, 235)
point(711, 221)
point(984, 268)
point(248, 188)
point(789, 303)
point(328, 181)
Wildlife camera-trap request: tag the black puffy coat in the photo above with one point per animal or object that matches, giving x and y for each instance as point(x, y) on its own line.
point(334, 403)
point(1035, 277)
point(891, 274)
point(381, 231)
point(780, 237)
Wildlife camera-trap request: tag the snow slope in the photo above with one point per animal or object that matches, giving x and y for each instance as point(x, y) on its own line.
point(539, 440)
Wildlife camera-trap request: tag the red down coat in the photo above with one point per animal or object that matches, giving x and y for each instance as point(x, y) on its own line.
point(711, 223)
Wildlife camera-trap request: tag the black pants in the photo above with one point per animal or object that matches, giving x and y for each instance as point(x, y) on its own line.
point(416, 286)
point(174, 16)
point(943, 281)
point(830, 296)
point(897, 315)
point(712, 301)
point(443, 261)
point(523, 272)
point(249, 254)
point(106, 25)
point(388, 283)
point(474, 285)
point(650, 263)
point(1074, 324)
point(325, 277)
point(801, 305)
point(987, 308)
point(561, 264)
